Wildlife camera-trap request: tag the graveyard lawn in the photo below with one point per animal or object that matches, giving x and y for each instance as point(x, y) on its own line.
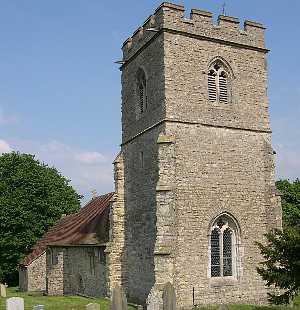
point(54, 302)
point(79, 303)
point(250, 307)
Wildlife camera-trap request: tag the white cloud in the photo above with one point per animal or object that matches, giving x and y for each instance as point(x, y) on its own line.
point(60, 150)
point(87, 169)
point(4, 147)
point(90, 157)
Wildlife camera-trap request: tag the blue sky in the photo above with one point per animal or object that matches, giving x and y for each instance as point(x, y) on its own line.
point(60, 89)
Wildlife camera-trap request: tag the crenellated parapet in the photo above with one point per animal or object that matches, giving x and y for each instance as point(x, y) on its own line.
point(169, 17)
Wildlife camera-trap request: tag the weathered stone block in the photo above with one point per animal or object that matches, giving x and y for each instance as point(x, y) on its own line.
point(15, 303)
point(118, 299)
point(2, 290)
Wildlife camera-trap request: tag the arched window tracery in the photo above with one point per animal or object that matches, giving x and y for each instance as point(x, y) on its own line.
point(223, 247)
point(219, 82)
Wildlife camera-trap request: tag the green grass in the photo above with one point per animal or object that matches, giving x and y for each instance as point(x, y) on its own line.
point(79, 303)
point(54, 302)
point(251, 307)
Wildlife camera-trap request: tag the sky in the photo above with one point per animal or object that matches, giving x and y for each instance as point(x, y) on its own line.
point(60, 89)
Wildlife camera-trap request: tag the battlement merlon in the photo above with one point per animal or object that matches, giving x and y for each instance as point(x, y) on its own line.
point(170, 17)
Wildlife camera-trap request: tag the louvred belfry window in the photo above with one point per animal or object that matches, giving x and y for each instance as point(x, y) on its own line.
point(142, 91)
point(142, 97)
point(223, 88)
point(212, 86)
point(218, 83)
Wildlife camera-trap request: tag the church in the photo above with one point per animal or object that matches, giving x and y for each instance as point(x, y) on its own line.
point(194, 180)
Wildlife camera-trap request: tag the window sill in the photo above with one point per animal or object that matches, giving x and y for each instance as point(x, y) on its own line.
point(222, 281)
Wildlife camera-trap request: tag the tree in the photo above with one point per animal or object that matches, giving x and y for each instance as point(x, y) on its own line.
point(33, 196)
point(281, 267)
point(290, 201)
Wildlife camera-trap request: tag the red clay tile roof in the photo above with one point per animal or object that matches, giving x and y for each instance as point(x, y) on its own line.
point(73, 228)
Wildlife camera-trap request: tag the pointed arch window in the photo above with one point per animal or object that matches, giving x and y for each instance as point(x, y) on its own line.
point(219, 82)
point(141, 91)
point(223, 247)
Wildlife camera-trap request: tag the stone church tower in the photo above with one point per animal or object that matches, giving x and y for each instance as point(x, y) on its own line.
point(195, 177)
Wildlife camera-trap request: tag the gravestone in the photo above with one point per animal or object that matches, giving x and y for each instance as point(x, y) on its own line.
point(2, 290)
point(38, 307)
point(92, 307)
point(169, 297)
point(15, 303)
point(118, 299)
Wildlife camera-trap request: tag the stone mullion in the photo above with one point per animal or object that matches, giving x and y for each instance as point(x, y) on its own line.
point(221, 253)
point(218, 86)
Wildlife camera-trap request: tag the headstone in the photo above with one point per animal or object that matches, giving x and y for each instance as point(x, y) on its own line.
point(15, 303)
point(92, 307)
point(118, 299)
point(38, 307)
point(2, 290)
point(169, 297)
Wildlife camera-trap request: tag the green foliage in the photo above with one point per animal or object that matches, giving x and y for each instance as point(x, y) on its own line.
point(33, 196)
point(281, 267)
point(290, 201)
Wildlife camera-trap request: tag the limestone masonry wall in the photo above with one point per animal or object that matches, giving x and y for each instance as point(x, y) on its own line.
point(188, 160)
point(78, 269)
point(186, 84)
point(140, 155)
point(229, 173)
point(151, 61)
point(115, 248)
point(33, 277)
point(141, 174)
point(55, 271)
point(170, 18)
